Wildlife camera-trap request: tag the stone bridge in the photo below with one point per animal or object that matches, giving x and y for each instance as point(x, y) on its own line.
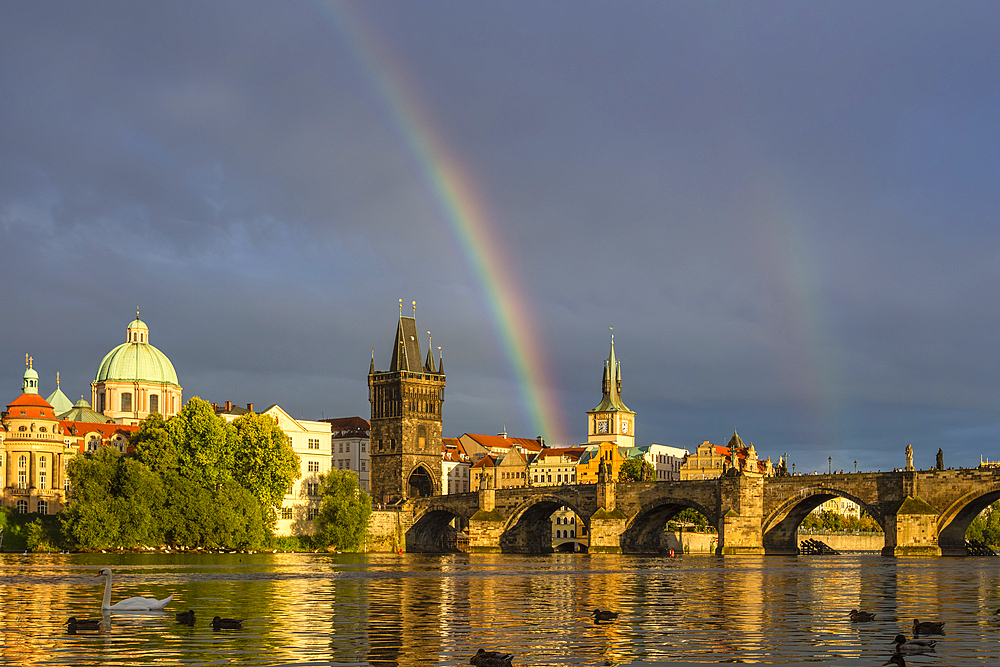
point(921, 512)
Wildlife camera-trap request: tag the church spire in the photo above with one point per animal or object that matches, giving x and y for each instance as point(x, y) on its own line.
point(611, 385)
point(429, 363)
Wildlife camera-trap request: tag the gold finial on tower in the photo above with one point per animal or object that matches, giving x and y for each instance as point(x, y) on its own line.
point(25, 359)
point(414, 308)
point(57, 379)
point(429, 340)
point(31, 360)
point(400, 307)
point(137, 312)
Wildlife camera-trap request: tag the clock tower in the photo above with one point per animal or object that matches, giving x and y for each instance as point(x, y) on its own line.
point(611, 421)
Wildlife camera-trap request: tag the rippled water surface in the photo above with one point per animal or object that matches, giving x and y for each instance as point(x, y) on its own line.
point(414, 609)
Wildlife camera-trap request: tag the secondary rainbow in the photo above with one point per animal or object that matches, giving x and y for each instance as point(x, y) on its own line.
point(467, 214)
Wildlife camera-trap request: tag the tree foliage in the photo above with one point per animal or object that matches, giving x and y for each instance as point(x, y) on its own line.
point(191, 481)
point(263, 461)
point(636, 470)
point(342, 523)
point(835, 522)
point(986, 526)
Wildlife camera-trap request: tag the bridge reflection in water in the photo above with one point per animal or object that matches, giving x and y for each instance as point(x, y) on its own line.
point(922, 513)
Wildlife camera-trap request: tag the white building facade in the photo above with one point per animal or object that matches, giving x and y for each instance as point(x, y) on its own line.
point(349, 445)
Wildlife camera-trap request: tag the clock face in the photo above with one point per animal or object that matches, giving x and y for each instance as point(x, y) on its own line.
point(602, 425)
point(624, 426)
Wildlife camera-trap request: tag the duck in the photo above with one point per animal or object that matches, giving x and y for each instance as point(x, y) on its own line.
point(129, 604)
point(226, 624)
point(82, 624)
point(491, 659)
point(928, 627)
point(605, 615)
point(861, 616)
point(185, 617)
point(895, 659)
point(904, 645)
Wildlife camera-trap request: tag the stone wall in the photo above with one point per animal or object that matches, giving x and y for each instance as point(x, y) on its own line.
point(385, 531)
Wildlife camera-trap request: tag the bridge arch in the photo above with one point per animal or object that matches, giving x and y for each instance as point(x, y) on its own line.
point(435, 528)
point(954, 521)
point(780, 527)
point(528, 529)
point(644, 530)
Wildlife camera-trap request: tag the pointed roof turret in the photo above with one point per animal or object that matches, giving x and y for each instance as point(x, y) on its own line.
point(736, 441)
point(440, 361)
point(429, 363)
point(58, 400)
point(612, 385)
point(406, 347)
point(371, 369)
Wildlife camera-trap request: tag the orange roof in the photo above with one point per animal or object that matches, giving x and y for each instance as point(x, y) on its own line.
point(500, 442)
point(106, 430)
point(570, 452)
point(29, 400)
point(485, 462)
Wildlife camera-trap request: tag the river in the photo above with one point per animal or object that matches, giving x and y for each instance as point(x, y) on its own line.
point(416, 609)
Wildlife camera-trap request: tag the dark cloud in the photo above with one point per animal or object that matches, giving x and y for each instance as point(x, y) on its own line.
point(787, 212)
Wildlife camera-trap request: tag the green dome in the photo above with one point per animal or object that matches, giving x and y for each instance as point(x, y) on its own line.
point(137, 360)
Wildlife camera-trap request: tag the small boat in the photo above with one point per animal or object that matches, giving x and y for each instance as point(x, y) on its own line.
point(928, 627)
point(226, 624)
point(904, 645)
point(605, 615)
point(491, 659)
point(861, 616)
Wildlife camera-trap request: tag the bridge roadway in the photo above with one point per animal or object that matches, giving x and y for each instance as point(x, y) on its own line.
point(921, 512)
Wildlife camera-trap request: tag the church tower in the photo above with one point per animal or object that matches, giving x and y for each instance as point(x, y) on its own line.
point(611, 421)
point(405, 444)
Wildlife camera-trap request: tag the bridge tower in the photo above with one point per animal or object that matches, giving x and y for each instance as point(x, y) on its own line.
point(611, 420)
point(406, 400)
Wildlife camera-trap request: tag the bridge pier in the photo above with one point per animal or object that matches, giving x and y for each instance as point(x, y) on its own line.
point(608, 523)
point(486, 525)
point(741, 512)
point(912, 530)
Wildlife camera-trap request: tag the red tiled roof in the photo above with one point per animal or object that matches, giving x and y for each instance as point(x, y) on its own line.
point(29, 400)
point(500, 442)
point(485, 462)
point(106, 430)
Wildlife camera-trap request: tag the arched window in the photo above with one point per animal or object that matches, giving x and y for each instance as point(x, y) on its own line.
point(22, 506)
point(43, 507)
point(22, 475)
point(572, 533)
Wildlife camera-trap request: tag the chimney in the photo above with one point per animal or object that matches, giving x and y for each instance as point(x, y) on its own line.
point(229, 406)
point(541, 441)
point(250, 407)
point(215, 407)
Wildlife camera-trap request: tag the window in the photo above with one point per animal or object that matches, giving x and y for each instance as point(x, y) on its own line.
point(289, 492)
point(126, 401)
point(312, 489)
point(313, 443)
point(362, 466)
point(341, 450)
point(154, 403)
point(347, 448)
point(22, 506)
point(66, 486)
point(22, 477)
point(313, 513)
point(43, 507)
point(572, 533)
point(92, 444)
point(41, 480)
point(43, 429)
point(286, 513)
point(363, 443)
point(313, 466)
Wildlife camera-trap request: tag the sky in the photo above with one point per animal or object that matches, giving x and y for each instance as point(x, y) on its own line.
point(789, 212)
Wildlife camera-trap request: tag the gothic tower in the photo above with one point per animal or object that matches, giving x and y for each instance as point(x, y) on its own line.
point(406, 403)
point(611, 421)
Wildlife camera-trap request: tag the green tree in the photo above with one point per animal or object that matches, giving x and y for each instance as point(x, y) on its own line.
point(264, 462)
point(116, 502)
point(205, 442)
point(154, 446)
point(636, 470)
point(343, 517)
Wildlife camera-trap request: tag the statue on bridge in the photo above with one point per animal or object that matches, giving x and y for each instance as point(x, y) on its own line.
point(940, 459)
point(909, 458)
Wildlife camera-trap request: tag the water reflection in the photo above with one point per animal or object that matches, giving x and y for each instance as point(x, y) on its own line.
point(408, 610)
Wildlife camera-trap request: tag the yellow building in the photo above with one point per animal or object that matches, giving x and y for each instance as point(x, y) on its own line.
point(135, 379)
point(590, 462)
point(34, 457)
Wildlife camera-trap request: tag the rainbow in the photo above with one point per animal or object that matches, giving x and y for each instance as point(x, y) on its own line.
point(464, 208)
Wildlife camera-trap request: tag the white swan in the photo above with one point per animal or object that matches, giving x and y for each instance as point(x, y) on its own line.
point(129, 604)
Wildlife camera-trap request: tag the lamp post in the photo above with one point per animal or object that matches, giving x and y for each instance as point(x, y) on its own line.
point(829, 461)
point(855, 466)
